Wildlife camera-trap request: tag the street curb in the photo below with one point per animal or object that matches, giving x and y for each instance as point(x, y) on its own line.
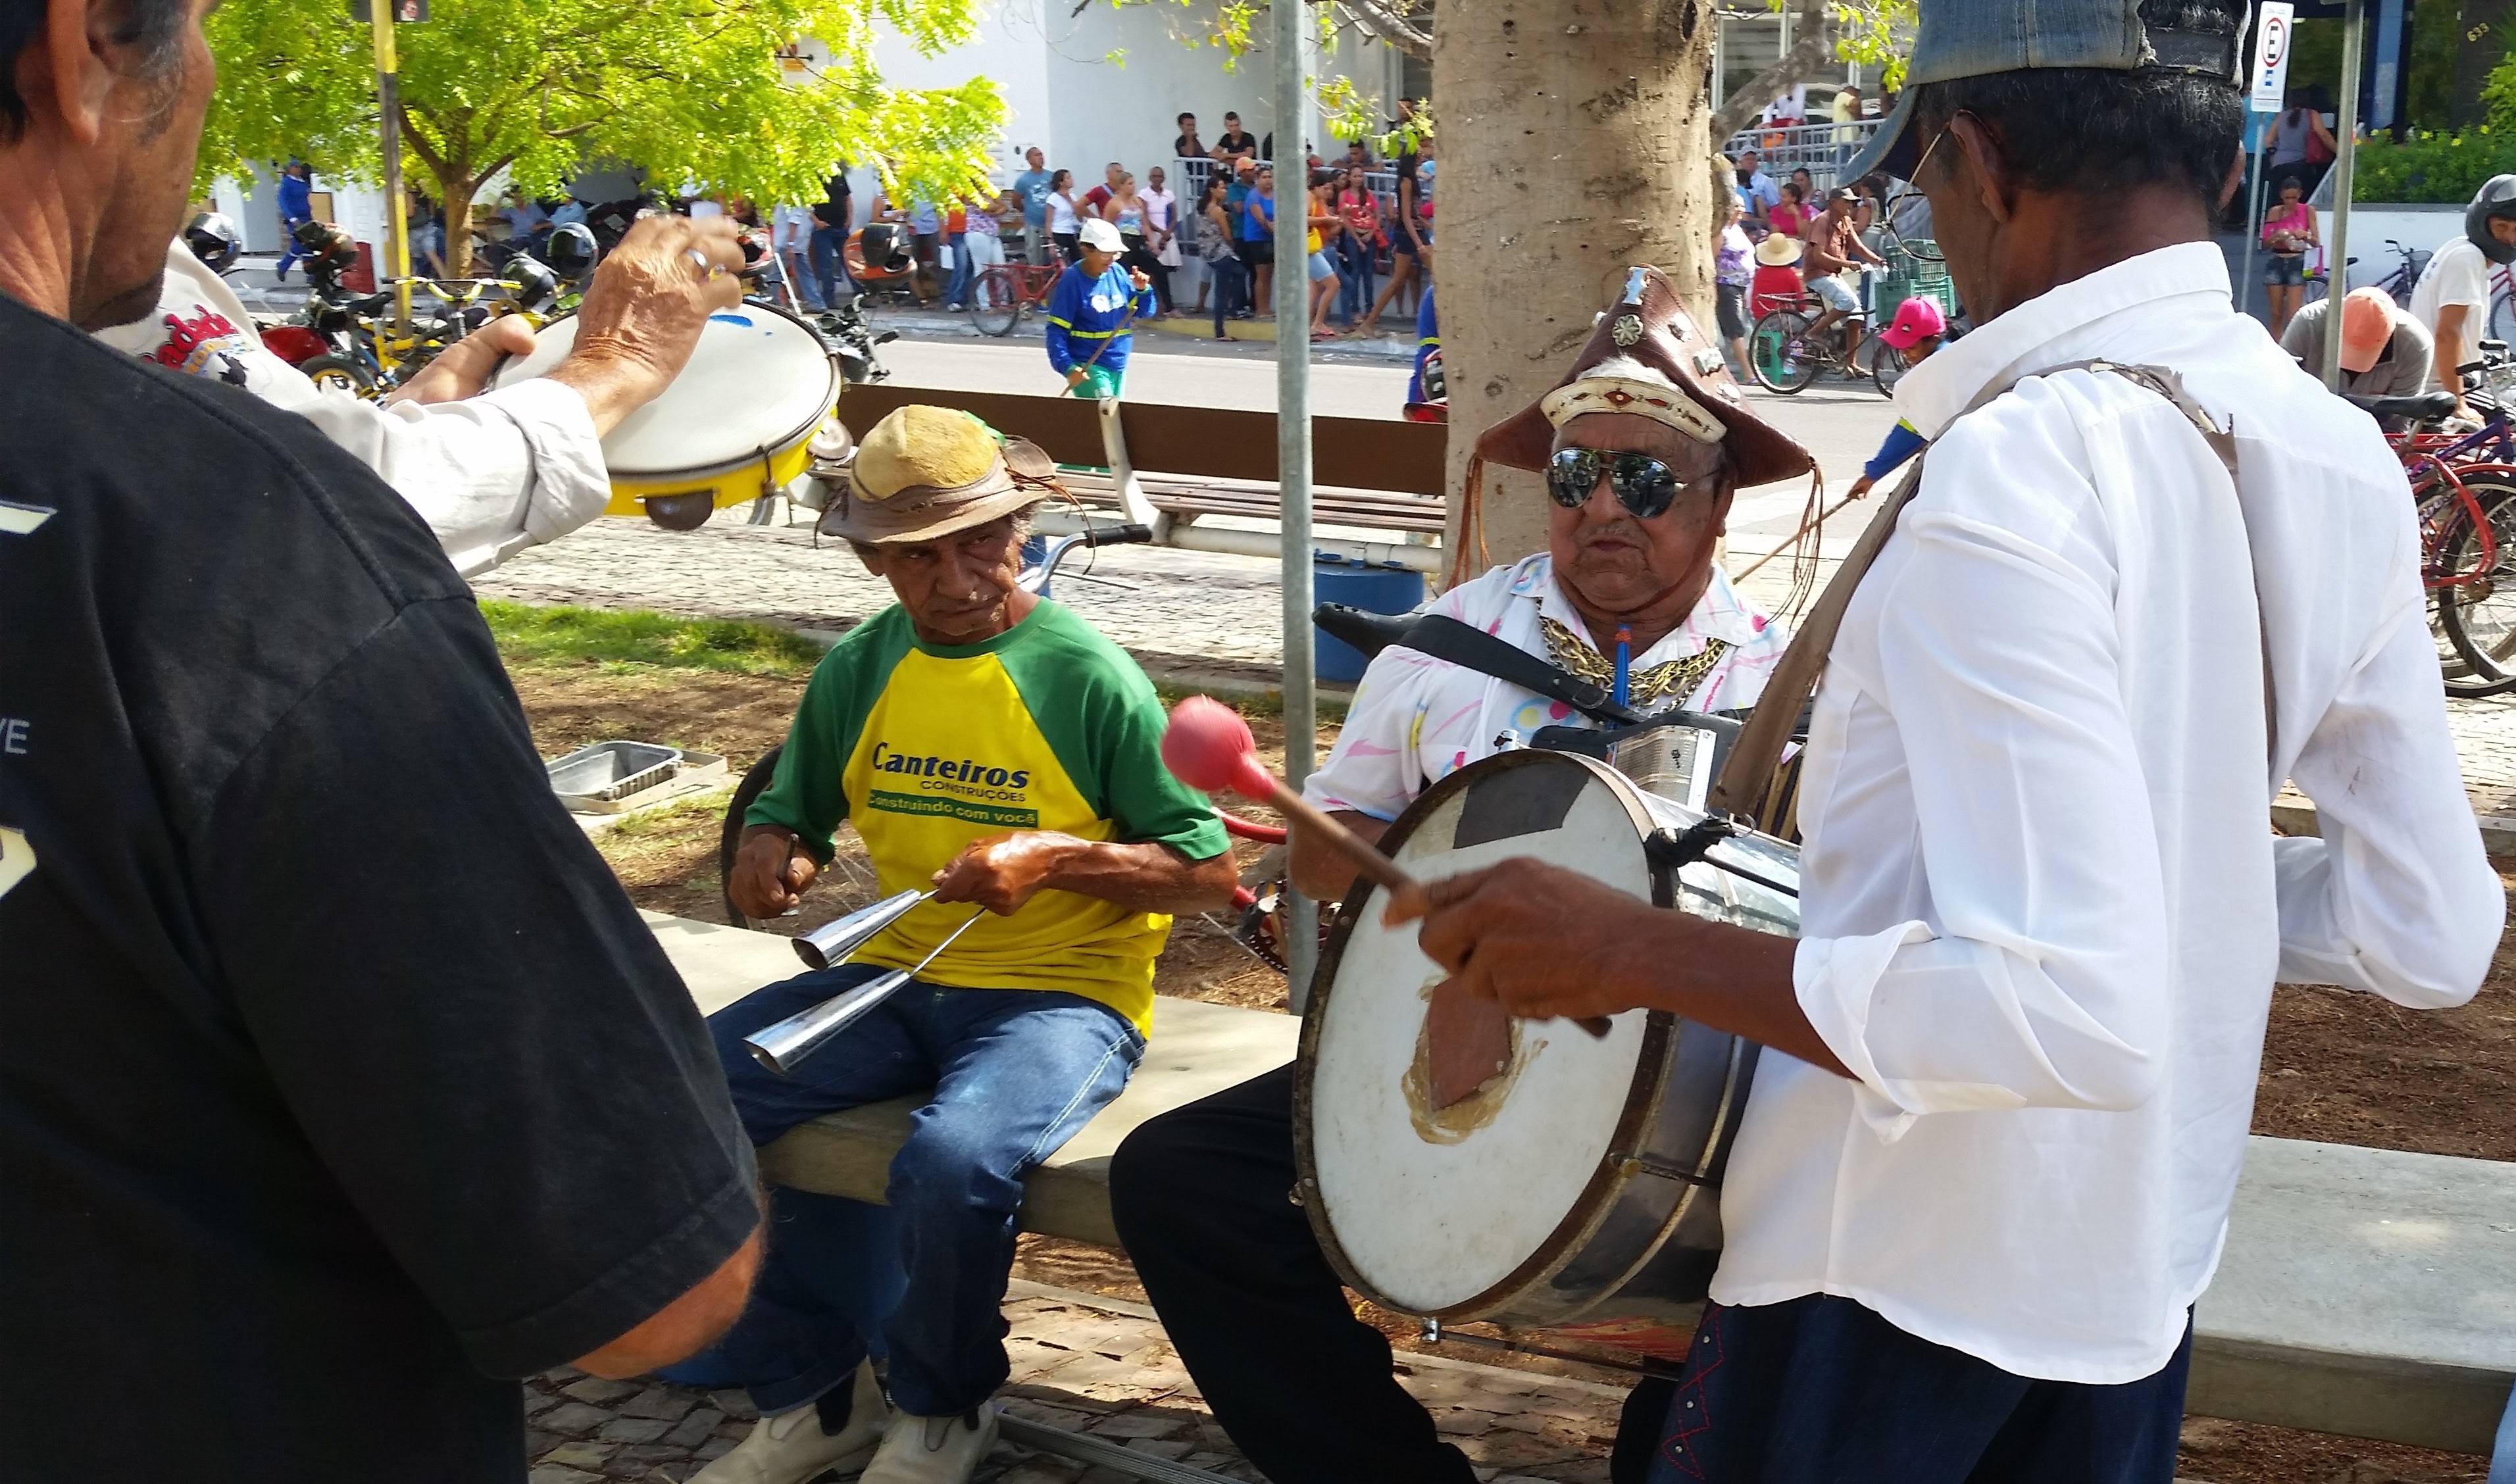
point(1219, 678)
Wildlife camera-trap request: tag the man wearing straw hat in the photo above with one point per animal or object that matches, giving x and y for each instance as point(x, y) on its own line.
point(1642, 444)
point(2146, 572)
point(989, 745)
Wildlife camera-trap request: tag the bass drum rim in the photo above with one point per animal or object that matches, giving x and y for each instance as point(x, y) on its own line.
point(1597, 1202)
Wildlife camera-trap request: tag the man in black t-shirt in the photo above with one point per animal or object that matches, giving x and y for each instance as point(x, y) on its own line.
point(1235, 143)
point(830, 222)
point(1188, 146)
point(338, 1079)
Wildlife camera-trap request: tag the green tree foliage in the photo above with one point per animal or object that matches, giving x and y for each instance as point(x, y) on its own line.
point(2433, 165)
point(691, 90)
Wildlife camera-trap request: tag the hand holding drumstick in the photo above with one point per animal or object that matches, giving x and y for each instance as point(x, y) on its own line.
point(1209, 747)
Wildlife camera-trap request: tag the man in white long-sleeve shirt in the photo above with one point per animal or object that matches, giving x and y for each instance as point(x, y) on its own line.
point(1986, 1167)
point(492, 472)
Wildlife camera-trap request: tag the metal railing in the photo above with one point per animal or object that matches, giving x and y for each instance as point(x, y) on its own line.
point(1822, 149)
point(1191, 177)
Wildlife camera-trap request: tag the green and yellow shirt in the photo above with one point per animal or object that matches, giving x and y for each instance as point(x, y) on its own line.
point(1047, 726)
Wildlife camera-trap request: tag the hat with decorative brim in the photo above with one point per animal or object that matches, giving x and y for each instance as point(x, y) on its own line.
point(923, 473)
point(1650, 325)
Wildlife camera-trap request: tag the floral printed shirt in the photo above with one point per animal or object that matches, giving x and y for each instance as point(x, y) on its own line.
point(1416, 720)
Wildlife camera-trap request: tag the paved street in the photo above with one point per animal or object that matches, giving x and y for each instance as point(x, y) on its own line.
point(1086, 1365)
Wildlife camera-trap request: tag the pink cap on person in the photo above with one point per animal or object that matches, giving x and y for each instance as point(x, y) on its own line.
point(1916, 320)
point(2366, 323)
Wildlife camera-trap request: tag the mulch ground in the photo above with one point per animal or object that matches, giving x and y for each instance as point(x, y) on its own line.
point(2338, 1067)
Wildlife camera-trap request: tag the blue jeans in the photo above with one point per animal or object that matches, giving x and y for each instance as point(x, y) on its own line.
point(1231, 289)
point(1015, 1073)
point(829, 261)
point(1818, 1389)
point(956, 292)
point(1353, 271)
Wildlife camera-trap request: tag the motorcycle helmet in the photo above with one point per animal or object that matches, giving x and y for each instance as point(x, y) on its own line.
point(535, 286)
point(2496, 199)
point(571, 252)
point(213, 239)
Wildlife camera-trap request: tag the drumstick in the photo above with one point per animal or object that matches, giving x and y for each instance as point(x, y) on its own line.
point(1828, 513)
point(1209, 747)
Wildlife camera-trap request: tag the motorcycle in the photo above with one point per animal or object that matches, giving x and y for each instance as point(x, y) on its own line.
point(850, 342)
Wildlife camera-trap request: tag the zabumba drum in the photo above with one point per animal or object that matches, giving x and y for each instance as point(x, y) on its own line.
point(1581, 1181)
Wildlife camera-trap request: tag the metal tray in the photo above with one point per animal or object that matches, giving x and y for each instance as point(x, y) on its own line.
point(608, 770)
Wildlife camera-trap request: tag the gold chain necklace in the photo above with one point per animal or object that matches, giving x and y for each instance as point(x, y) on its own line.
point(1669, 681)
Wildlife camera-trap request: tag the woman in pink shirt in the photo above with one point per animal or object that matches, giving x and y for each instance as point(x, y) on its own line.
point(2289, 232)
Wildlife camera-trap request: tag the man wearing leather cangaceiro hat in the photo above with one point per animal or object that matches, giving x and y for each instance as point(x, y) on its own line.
point(1650, 325)
point(1642, 444)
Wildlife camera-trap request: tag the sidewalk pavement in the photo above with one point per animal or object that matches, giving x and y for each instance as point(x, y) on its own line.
point(1083, 1364)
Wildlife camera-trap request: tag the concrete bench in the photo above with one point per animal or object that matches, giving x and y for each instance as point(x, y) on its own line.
point(2363, 1291)
point(1196, 1049)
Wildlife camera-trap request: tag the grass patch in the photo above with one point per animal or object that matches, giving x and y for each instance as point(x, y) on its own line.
point(1269, 704)
point(631, 638)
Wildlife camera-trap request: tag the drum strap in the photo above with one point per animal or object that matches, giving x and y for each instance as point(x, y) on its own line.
point(1743, 789)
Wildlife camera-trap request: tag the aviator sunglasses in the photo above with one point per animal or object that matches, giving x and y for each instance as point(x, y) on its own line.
point(1643, 485)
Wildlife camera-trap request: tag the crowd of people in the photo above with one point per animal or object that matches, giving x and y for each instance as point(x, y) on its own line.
point(1369, 249)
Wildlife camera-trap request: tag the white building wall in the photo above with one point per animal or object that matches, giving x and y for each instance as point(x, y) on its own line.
point(1108, 83)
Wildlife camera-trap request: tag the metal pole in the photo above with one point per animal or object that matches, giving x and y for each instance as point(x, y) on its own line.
point(2354, 27)
point(2254, 214)
point(380, 21)
point(1293, 448)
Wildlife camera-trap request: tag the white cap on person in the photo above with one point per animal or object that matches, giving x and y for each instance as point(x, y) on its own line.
point(1102, 237)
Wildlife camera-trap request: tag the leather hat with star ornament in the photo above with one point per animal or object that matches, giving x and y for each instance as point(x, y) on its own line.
point(1650, 325)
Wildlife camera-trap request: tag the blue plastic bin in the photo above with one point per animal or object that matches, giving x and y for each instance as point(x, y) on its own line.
point(1377, 587)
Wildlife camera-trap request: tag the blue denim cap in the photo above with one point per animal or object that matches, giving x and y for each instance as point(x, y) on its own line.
point(1973, 38)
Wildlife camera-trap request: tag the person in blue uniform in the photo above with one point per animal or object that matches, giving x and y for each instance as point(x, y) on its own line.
point(295, 209)
point(1088, 317)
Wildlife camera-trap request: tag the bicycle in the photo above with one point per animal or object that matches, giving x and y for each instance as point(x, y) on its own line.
point(1785, 357)
point(1009, 292)
point(2404, 277)
point(2466, 513)
point(371, 357)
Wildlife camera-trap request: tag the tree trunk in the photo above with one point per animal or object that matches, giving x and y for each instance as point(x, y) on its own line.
point(454, 186)
point(1574, 144)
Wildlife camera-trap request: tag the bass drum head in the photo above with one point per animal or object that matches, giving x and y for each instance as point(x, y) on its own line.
point(1450, 1213)
point(758, 381)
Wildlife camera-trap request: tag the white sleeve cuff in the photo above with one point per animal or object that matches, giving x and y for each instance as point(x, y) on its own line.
point(1836, 982)
point(569, 483)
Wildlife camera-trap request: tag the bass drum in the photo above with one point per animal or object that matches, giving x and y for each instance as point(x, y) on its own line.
point(1580, 1182)
point(733, 426)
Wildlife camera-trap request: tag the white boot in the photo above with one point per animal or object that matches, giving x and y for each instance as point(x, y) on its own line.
point(932, 1450)
point(791, 1447)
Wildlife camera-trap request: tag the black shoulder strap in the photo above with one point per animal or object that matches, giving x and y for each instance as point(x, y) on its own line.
point(1472, 648)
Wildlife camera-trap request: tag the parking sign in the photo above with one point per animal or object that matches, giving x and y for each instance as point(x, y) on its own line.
point(2272, 35)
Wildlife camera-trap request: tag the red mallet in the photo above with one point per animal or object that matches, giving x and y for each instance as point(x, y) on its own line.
point(1209, 748)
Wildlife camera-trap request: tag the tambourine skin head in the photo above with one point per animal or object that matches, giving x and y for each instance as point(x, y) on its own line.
point(737, 422)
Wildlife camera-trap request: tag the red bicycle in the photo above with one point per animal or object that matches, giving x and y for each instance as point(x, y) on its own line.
point(2465, 493)
point(1001, 293)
